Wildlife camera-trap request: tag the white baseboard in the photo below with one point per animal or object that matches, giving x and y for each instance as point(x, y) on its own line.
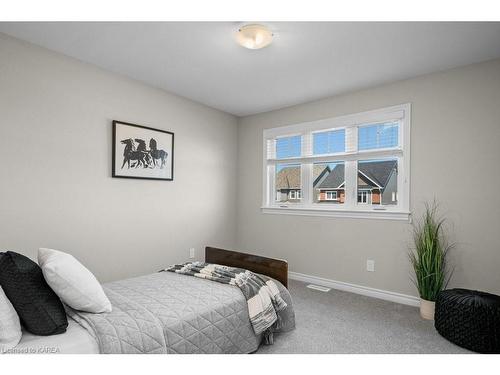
point(358, 289)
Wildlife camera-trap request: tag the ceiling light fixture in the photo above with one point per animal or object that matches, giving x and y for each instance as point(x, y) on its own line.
point(254, 36)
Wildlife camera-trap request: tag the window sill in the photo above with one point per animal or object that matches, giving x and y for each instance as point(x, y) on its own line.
point(351, 214)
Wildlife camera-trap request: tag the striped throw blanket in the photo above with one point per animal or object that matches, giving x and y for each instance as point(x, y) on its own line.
point(261, 293)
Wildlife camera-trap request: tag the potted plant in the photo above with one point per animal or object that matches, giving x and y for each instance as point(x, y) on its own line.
point(428, 259)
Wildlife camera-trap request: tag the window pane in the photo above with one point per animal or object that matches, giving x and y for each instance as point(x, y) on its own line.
point(288, 147)
point(288, 186)
point(378, 136)
point(329, 183)
point(329, 142)
point(377, 182)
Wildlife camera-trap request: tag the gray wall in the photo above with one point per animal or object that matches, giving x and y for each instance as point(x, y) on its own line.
point(455, 140)
point(56, 188)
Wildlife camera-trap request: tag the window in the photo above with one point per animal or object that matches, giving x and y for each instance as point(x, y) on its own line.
point(287, 183)
point(328, 183)
point(378, 182)
point(378, 136)
point(288, 147)
point(362, 196)
point(352, 166)
point(329, 142)
point(331, 196)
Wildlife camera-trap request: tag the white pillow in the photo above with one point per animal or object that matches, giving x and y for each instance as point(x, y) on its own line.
point(10, 327)
point(75, 285)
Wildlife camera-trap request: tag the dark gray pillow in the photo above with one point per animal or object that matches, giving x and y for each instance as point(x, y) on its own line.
point(39, 308)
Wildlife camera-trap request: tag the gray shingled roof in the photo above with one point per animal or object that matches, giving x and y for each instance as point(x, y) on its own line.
point(319, 171)
point(378, 171)
point(288, 178)
point(334, 179)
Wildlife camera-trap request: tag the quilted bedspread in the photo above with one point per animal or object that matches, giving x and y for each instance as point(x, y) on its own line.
point(171, 313)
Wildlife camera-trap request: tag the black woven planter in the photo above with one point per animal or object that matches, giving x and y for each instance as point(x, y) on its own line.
point(470, 319)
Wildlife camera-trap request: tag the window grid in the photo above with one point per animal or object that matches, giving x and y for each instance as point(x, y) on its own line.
point(349, 157)
point(331, 195)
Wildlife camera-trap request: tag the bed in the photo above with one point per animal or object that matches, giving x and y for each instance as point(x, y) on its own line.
point(170, 313)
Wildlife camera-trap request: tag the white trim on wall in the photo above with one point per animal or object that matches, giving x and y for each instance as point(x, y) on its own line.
point(349, 214)
point(357, 289)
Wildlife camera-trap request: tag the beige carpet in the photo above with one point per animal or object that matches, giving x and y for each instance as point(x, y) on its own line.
point(341, 322)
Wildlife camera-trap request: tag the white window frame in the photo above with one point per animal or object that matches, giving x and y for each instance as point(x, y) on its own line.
point(295, 194)
point(365, 194)
point(332, 198)
point(351, 156)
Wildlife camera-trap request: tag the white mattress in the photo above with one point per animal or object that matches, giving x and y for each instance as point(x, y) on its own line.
point(76, 340)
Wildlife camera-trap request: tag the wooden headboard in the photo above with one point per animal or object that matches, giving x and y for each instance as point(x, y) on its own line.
point(275, 268)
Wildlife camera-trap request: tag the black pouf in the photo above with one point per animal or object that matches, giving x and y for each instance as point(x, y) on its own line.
point(470, 319)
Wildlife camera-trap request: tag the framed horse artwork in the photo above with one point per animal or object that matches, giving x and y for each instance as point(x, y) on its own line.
point(142, 152)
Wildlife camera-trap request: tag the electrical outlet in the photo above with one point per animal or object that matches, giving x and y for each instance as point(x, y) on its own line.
point(191, 253)
point(370, 265)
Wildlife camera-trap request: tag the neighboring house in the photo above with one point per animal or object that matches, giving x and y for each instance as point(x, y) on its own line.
point(331, 189)
point(288, 182)
point(288, 186)
point(377, 183)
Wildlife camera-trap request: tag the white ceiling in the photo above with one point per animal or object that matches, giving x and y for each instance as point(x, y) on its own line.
point(306, 61)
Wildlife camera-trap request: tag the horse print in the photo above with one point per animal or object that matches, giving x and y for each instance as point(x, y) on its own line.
point(141, 152)
point(141, 156)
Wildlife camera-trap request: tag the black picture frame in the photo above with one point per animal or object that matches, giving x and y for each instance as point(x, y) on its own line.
point(140, 166)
